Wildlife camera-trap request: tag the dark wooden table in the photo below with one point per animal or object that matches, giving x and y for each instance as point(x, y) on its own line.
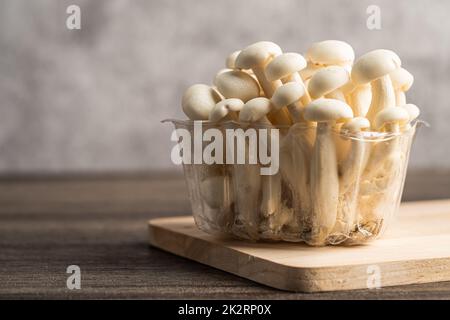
point(99, 224)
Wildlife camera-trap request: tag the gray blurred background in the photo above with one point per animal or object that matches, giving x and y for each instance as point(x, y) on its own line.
point(91, 100)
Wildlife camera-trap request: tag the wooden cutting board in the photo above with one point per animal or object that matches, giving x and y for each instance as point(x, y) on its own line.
point(416, 249)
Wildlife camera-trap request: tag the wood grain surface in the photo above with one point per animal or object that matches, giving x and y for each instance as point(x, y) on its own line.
point(416, 250)
point(100, 224)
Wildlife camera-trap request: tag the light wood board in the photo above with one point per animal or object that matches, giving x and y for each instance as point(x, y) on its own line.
point(416, 249)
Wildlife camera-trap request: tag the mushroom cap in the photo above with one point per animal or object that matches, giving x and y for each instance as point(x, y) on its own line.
point(287, 94)
point(284, 65)
point(231, 59)
point(219, 72)
point(257, 54)
point(401, 79)
point(255, 109)
point(356, 125)
point(324, 110)
point(327, 80)
point(391, 115)
point(413, 111)
point(237, 84)
point(198, 101)
point(373, 65)
point(331, 52)
point(224, 107)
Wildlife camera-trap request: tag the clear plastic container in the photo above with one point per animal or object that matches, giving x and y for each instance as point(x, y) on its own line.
point(348, 200)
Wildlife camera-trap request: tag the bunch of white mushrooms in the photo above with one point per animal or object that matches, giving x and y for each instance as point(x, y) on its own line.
point(346, 132)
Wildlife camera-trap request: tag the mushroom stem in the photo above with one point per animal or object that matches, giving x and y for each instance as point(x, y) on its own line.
point(383, 96)
point(324, 184)
point(271, 190)
point(247, 181)
point(351, 170)
point(301, 148)
point(400, 98)
point(383, 171)
point(277, 117)
point(295, 77)
point(267, 86)
point(360, 99)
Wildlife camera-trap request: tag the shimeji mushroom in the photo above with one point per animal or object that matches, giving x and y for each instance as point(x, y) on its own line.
point(237, 84)
point(249, 184)
point(359, 98)
point(288, 96)
point(198, 101)
point(327, 53)
point(350, 172)
point(286, 67)
point(413, 112)
point(383, 171)
point(374, 67)
point(256, 57)
point(402, 81)
point(331, 53)
point(256, 110)
point(227, 109)
point(327, 82)
point(385, 154)
point(297, 145)
point(391, 119)
point(324, 167)
point(217, 190)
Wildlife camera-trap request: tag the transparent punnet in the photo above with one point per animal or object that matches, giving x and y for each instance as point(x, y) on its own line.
point(349, 203)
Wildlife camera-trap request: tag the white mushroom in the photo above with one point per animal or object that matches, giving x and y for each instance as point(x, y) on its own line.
point(331, 52)
point(327, 82)
point(286, 67)
point(385, 153)
point(237, 84)
point(225, 110)
point(382, 177)
point(256, 111)
point(350, 172)
point(295, 157)
point(248, 179)
point(391, 119)
point(355, 161)
point(198, 101)
point(256, 57)
point(402, 81)
point(358, 97)
point(289, 95)
point(324, 168)
point(413, 112)
point(374, 67)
